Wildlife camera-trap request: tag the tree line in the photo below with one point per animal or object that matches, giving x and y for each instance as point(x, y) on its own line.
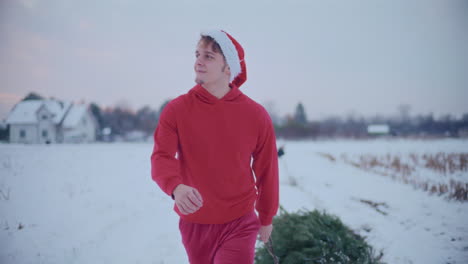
point(403, 125)
point(119, 121)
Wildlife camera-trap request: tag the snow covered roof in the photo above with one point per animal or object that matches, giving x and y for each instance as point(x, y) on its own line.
point(74, 115)
point(25, 112)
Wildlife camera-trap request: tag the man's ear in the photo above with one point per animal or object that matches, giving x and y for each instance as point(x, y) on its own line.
point(226, 69)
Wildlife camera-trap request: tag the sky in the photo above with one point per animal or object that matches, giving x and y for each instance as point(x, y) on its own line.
point(338, 58)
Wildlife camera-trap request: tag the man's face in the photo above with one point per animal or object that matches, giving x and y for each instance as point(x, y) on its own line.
point(210, 67)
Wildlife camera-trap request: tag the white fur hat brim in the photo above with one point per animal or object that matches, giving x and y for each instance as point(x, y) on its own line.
point(229, 51)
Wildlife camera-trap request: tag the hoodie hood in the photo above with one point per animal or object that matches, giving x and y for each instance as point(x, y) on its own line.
point(203, 95)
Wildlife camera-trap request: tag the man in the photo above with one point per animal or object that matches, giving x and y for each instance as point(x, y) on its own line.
point(218, 133)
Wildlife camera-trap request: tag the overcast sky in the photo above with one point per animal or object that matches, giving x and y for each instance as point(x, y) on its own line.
point(336, 57)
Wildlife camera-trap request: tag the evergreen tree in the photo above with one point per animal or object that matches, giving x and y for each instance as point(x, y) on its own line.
point(315, 237)
point(32, 96)
point(96, 111)
point(300, 115)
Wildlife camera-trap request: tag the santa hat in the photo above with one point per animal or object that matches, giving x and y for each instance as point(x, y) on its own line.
point(234, 54)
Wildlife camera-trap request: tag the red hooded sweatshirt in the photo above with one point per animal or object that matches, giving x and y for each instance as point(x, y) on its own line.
point(226, 149)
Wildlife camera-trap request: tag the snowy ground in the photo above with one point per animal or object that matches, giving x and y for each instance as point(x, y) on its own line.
point(97, 203)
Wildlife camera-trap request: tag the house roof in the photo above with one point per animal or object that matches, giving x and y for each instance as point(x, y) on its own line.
point(25, 111)
point(74, 115)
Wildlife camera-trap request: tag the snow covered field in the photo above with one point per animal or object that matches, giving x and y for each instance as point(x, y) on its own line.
point(96, 203)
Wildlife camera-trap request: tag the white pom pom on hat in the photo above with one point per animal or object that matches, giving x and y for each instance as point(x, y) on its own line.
point(233, 52)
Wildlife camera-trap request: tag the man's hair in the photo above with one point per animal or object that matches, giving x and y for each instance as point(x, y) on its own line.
point(209, 41)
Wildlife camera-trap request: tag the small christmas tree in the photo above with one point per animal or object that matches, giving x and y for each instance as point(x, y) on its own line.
point(314, 237)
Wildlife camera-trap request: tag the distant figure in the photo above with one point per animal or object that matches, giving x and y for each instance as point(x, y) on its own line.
point(280, 151)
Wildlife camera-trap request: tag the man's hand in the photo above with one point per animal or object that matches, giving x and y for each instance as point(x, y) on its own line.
point(187, 199)
point(265, 232)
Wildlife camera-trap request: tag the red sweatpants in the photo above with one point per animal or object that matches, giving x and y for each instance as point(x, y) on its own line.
point(231, 242)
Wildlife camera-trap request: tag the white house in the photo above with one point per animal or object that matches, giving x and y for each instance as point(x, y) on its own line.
point(378, 129)
point(79, 125)
point(51, 121)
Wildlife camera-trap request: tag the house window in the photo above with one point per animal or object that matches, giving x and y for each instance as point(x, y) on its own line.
point(44, 117)
point(44, 133)
point(22, 133)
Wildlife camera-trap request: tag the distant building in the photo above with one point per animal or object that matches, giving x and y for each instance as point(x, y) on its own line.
point(51, 121)
point(378, 129)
